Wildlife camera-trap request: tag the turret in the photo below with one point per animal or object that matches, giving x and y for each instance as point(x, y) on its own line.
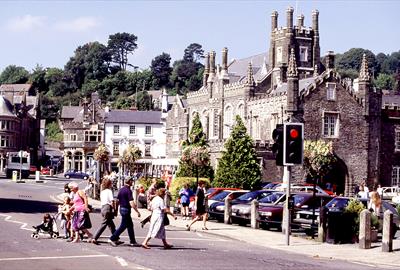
point(315, 24)
point(224, 69)
point(300, 21)
point(316, 48)
point(274, 20)
point(211, 75)
point(292, 86)
point(206, 69)
point(289, 17)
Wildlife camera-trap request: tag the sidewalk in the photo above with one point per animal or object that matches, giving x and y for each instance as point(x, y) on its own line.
point(300, 245)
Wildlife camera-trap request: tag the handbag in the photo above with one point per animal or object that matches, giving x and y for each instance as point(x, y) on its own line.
point(166, 220)
point(87, 223)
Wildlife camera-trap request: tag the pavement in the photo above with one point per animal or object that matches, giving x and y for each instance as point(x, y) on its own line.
point(298, 244)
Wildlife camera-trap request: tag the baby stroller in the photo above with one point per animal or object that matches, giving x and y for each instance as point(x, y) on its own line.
point(48, 226)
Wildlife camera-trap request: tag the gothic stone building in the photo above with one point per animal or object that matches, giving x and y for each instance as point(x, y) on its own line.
point(291, 82)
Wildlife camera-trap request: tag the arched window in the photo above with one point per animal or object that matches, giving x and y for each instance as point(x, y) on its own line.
point(228, 121)
point(240, 111)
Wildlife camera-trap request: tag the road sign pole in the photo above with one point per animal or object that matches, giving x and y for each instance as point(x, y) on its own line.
point(286, 212)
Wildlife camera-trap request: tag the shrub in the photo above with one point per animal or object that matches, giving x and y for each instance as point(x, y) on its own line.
point(147, 182)
point(398, 208)
point(353, 210)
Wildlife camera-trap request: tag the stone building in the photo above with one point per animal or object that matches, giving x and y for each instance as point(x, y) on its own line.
point(83, 128)
point(19, 121)
point(290, 83)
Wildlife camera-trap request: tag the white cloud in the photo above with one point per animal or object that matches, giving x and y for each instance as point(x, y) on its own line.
point(25, 23)
point(80, 24)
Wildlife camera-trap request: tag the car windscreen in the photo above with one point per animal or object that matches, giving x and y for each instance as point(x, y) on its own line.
point(210, 190)
point(271, 198)
point(337, 203)
point(221, 195)
point(248, 196)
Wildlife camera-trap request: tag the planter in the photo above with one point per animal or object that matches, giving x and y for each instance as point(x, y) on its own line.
point(374, 235)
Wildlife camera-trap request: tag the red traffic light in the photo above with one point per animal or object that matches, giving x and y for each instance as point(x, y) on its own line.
point(294, 133)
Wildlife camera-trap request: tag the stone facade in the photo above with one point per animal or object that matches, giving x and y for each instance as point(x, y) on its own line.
point(294, 85)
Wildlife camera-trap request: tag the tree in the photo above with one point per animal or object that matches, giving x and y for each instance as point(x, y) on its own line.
point(48, 108)
point(53, 132)
point(129, 157)
point(119, 46)
point(37, 79)
point(144, 101)
point(123, 103)
point(102, 155)
point(57, 82)
point(238, 167)
point(351, 60)
point(195, 159)
point(160, 67)
point(13, 74)
point(193, 53)
point(385, 81)
point(318, 158)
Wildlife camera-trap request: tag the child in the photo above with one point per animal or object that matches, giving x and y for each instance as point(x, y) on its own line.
point(65, 215)
point(46, 225)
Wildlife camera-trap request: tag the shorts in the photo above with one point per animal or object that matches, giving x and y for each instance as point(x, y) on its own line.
point(185, 204)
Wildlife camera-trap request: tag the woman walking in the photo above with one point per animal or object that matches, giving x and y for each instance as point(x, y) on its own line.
point(108, 208)
point(157, 227)
point(200, 203)
point(80, 218)
point(185, 193)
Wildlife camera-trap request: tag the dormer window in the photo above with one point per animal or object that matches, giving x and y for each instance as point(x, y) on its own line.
point(331, 91)
point(303, 54)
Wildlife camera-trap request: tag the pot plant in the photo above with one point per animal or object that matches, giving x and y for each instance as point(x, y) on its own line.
point(375, 226)
point(352, 216)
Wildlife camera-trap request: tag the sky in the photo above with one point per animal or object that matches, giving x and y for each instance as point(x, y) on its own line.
point(48, 32)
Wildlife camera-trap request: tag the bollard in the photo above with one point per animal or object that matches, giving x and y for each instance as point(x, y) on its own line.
point(228, 210)
point(254, 214)
point(321, 225)
point(387, 240)
point(37, 177)
point(365, 230)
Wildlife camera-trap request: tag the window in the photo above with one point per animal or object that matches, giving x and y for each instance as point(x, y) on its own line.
point(396, 176)
point(330, 124)
point(175, 134)
point(147, 130)
point(116, 148)
point(331, 91)
point(303, 54)
point(132, 130)
point(147, 150)
point(397, 140)
point(279, 55)
point(240, 111)
point(116, 129)
point(73, 137)
point(216, 123)
point(93, 136)
point(227, 121)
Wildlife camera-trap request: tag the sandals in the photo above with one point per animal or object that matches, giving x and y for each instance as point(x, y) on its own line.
point(145, 246)
point(204, 228)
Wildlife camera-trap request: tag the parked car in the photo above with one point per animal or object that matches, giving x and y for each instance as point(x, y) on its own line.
point(215, 190)
point(270, 185)
point(232, 194)
point(389, 192)
point(302, 188)
point(241, 212)
point(32, 169)
point(45, 171)
point(271, 215)
point(217, 209)
point(76, 174)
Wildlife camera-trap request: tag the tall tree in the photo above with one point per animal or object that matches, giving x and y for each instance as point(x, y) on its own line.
point(57, 82)
point(238, 166)
point(195, 159)
point(193, 53)
point(37, 78)
point(351, 61)
point(14, 74)
point(119, 46)
point(144, 101)
point(385, 81)
point(161, 69)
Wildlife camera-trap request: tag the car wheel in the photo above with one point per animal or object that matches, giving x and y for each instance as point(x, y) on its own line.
point(85, 178)
point(67, 176)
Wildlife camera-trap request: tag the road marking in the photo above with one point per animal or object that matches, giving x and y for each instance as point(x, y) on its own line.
point(121, 261)
point(23, 226)
point(52, 258)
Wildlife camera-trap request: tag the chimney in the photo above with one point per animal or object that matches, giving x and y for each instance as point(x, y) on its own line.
point(212, 62)
point(330, 60)
point(274, 20)
point(300, 21)
point(315, 14)
point(289, 17)
point(225, 59)
point(206, 69)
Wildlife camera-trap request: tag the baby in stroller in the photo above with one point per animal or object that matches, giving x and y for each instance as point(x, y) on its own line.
point(48, 226)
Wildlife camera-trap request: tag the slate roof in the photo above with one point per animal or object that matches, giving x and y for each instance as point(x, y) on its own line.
point(237, 69)
point(6, 108)
point(391, 100)
point(127, 116)
point(303, 83)
point(70, 112)
point(15, 87)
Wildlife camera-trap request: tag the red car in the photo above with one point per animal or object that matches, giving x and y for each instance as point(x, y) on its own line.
point(215, 190)
point(45, 171)
point(32, 169)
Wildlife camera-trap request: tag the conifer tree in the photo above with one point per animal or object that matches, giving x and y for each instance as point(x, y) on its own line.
point(238, 166)
point(195, 155)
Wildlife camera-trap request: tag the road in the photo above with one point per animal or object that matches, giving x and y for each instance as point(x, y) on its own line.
point(23, 205)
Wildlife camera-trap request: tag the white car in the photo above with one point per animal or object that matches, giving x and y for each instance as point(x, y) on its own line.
point(396, 199)
point(389, 192)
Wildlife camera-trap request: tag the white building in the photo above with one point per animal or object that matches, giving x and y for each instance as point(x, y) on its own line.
point(144, 129)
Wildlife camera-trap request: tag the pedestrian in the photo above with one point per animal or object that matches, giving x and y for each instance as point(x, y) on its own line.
point(80, 218)
point(159, 214)
point(64, 210)
point(108, 208)
point(126, 202)
point(375, 204)
point(379, 189)
point(185, 193)
point(200, 203)
point(151, 193)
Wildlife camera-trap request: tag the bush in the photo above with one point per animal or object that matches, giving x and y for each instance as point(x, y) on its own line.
point(353, 210)
point(178, 183)
point(147, 182)
point(398, 208)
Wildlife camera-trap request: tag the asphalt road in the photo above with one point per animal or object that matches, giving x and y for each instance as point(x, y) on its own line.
point(23, 205)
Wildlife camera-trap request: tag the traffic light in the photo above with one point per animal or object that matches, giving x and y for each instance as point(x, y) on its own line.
point(293, 137)
point(277, 147)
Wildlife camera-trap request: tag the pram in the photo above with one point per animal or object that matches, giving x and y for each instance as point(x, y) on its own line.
point(47, 229)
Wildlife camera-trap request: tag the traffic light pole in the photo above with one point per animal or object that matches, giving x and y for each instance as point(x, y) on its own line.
point(286, 212)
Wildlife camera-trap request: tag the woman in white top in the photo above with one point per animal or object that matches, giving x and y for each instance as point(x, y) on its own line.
point(108, 206)
point(375, 204)
point(157, 227)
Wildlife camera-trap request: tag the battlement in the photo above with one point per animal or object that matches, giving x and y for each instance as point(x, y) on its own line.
point(202, 92)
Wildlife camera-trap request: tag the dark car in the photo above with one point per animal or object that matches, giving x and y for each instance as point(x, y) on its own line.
point(217, 209)
point(271, 215)
point(76, 174)
point(231, 194)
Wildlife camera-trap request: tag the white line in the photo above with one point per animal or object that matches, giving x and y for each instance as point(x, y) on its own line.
point(52, 258)
point(22, 227)
point(121, 261)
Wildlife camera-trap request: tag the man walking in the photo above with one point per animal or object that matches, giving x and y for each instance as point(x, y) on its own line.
point(126, 202)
